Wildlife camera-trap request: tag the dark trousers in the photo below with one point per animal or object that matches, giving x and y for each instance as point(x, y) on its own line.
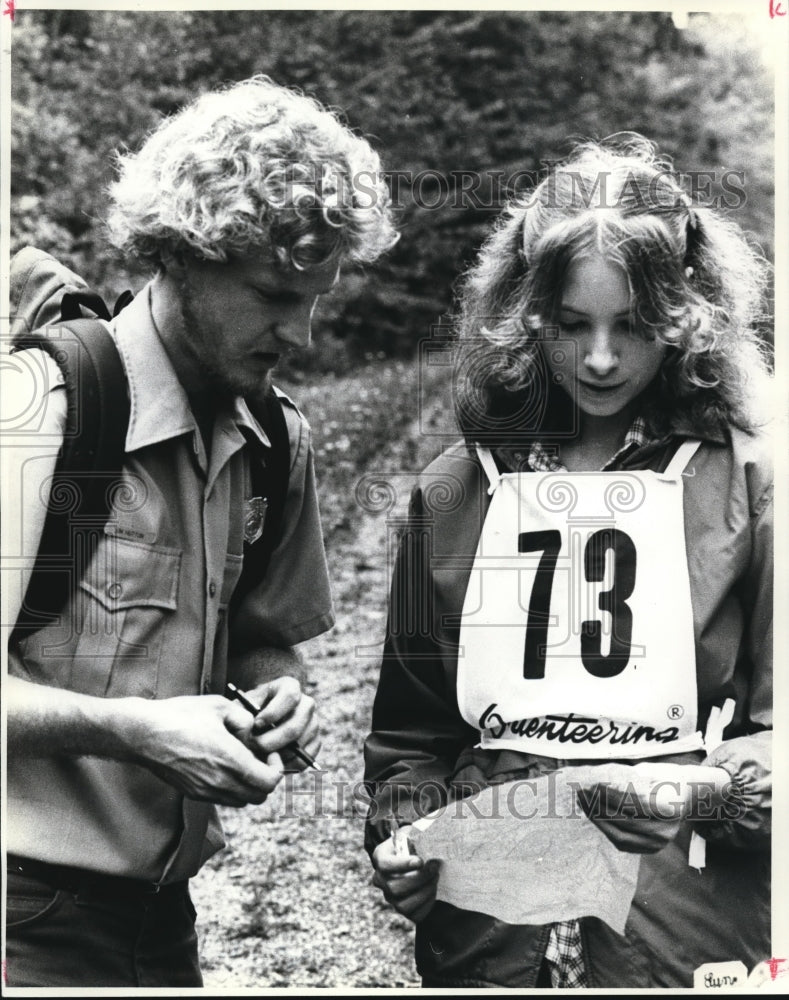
point(64, 929)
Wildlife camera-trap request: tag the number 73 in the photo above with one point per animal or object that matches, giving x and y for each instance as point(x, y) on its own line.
point(613, 600)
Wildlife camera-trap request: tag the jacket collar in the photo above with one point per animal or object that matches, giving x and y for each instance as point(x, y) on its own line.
point(713, 432)
point(159, 406)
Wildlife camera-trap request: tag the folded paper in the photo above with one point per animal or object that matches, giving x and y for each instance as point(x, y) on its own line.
point(526, 852)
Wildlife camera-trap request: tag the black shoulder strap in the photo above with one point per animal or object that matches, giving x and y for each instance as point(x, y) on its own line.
point(270, 470)
point(73, 304)
point(89, 464)
point(89, 467)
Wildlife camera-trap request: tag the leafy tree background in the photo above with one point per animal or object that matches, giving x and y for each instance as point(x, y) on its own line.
point(437, 92)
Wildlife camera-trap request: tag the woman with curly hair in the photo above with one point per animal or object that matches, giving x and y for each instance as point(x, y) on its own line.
point(593, 592)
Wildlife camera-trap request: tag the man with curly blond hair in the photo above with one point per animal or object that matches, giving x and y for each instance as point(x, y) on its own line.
point(246, 205)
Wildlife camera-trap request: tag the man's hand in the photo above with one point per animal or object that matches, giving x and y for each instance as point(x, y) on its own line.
point(287, 716)
point(407, 882)
point(204, 746)
point(200, 744)
point(273, 677)
point(639, 807)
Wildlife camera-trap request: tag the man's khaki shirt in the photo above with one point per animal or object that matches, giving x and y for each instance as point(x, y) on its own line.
point(150, 615)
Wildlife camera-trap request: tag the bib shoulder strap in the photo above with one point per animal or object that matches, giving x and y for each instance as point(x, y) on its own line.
point(681, 457)
point(488, 463)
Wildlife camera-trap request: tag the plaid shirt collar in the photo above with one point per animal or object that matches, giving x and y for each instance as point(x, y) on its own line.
point(545, 458)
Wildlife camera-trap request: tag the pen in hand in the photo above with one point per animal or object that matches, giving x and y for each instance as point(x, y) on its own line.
point(293, 748)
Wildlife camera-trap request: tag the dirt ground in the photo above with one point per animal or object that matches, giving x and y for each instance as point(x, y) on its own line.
point(289, 903)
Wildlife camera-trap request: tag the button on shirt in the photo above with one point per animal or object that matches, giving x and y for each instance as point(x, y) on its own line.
point(150, 616)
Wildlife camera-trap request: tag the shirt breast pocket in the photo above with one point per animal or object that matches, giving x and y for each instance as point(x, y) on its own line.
point(126, 601)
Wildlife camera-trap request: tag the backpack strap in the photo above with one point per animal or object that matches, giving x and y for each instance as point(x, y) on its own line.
point(89, 464)
point(269, 474)
point(72, 302)
point(89, 469)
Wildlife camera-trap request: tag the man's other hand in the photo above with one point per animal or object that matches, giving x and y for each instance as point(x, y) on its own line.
point(287, 716)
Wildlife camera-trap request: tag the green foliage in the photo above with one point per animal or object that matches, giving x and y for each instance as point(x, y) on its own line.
point(357, 416)
point(444, 95)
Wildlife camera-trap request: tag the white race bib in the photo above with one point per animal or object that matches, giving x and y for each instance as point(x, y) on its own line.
point(576, 637)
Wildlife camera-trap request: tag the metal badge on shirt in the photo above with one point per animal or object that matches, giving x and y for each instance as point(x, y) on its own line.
point(254, 518)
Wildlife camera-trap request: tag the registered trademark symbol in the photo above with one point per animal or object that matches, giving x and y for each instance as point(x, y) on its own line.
point(675, 711)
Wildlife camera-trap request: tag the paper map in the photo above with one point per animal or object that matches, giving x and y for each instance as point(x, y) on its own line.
point(525, 852)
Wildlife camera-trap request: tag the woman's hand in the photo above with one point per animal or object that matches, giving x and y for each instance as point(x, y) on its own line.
point(407, 882)
point(639, 806)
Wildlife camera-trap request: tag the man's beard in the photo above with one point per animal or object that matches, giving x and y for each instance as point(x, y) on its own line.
point(201, 343)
